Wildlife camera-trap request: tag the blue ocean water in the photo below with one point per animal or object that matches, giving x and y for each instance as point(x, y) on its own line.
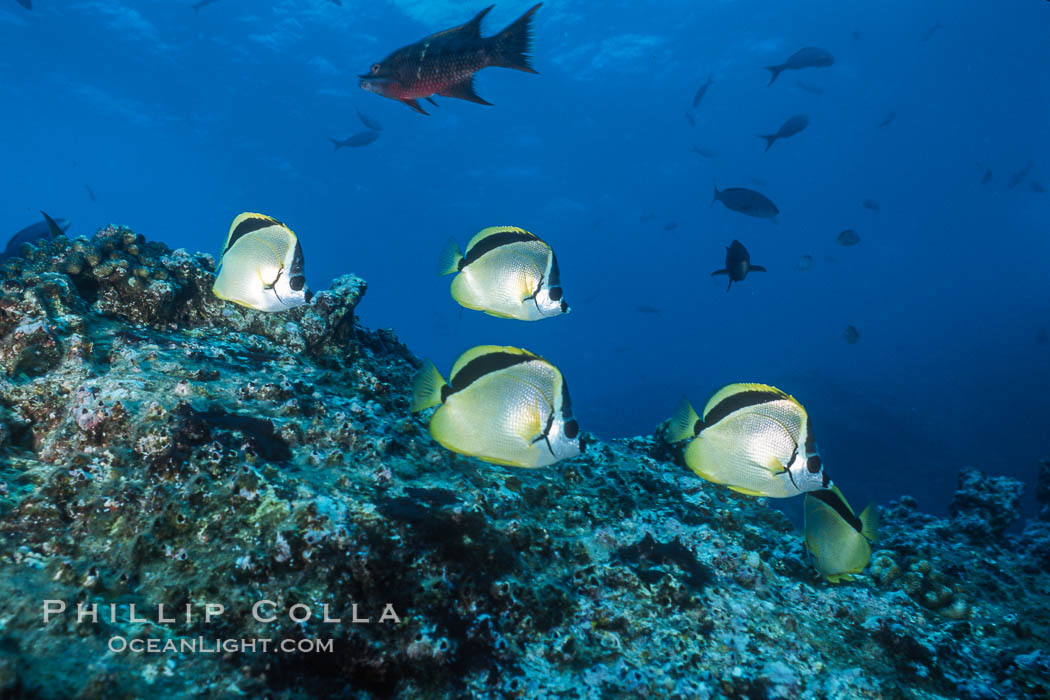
point(177, 120)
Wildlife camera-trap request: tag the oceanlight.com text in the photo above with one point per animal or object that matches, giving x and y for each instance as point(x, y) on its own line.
point(203, 645)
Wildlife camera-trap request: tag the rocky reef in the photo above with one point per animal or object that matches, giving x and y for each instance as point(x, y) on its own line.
point(160, 447)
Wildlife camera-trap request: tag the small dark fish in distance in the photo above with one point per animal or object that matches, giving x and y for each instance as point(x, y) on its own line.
point(28, 4)
point(745, 201)
point(368, 121)
point(738, 264)
point(811, 89)
point(848, 237)
point(643, 309)
point(703, 152)
point(670, 226)
point(1020, 175)
point(357, 140)
point(805, 263)
point(702, 91)
point(445, 63)
point(1036, 187)
point(90, 192)
point(689, 118)
point(987, 176)
point(887, 120)
point(202, 3)
point(851, 335)
point(41, 230)
point(870, 204)
point(809, 57)
point(928, 34)
point(789, 128)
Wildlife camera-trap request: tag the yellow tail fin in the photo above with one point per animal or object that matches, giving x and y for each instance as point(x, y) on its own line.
point(450, 257)
point(683, 423)
point(869, 523)
point(426, 387)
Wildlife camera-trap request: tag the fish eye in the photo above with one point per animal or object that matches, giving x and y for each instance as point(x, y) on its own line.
point(813, 464)
point(375, 68)
point(572, 429)
point(555, 293)
point(297, 283)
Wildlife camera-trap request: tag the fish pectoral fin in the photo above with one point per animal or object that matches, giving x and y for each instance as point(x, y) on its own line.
point(774, 466)
point(464, 90)
point(414, 104)
point(720, 272)
point(755, 268)
point(532, 432)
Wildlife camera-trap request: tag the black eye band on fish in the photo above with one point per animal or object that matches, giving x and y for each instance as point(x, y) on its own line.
point(811, 441)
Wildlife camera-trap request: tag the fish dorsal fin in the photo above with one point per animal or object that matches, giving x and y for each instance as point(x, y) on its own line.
point(52, 227)
point(473, 27)
point(736, 396)
point(469, 30)
point(485, 359)
point(247, 223)
point(493, 237)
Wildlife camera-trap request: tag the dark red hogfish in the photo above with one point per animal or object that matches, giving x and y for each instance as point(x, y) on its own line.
point(445, 63)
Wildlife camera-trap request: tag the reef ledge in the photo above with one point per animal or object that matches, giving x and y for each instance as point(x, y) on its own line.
point(162, 449)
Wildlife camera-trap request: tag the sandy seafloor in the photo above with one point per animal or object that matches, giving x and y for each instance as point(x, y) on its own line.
point(161, 447)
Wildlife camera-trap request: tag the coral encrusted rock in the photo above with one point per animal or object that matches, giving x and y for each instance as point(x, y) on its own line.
point(202, 500)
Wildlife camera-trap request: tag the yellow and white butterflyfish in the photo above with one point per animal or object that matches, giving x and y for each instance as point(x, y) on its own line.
point(506, 272)
point(262, 265)
point(838, 541)
point(503, 405)
point(753, 438)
